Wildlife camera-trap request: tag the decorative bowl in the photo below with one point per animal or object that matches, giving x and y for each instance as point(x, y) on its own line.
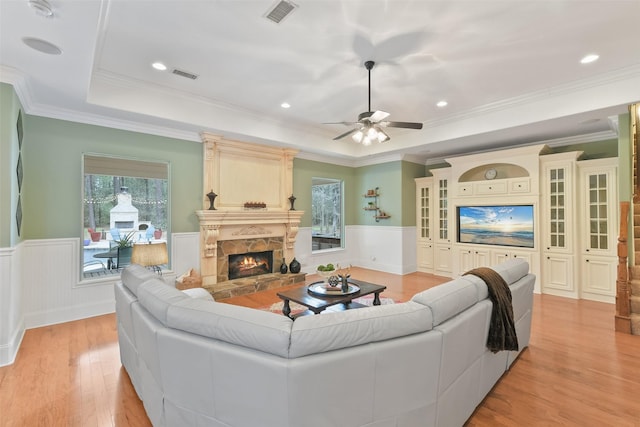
point(326, 274)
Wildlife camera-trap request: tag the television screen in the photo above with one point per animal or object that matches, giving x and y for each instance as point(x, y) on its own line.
point(504, 225)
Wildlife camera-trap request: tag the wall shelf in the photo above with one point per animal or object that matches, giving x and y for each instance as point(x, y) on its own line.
point(373, 205)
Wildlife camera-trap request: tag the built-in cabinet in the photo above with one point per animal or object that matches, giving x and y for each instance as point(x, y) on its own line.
point(575, 218)
point(559, 224)
point(433, 216)
point(599, 229)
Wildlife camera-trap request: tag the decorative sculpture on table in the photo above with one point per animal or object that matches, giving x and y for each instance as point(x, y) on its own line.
point(212, 197)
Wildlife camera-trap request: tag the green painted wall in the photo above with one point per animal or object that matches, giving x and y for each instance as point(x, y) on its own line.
point(592, 150)
point(410, 171)
point(388, 177)
point(53, 152)
point(305, 170)
point(9, 108)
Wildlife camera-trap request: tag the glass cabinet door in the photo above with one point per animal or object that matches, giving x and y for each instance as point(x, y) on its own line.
point(557, 238)
point(443, 226)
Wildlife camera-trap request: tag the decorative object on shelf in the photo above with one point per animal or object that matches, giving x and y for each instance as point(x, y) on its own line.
point(255, 205)
point(283, 267)
point(292, 200)
point(212, 197)
point(373, 205)
point(490, 173)
point(294, 266)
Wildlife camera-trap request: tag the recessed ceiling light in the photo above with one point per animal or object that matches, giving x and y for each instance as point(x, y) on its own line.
point(42, 7)
point(285, 105)
point(42, 45)
point(589, 58)
point(442, 103)
point(159, 66)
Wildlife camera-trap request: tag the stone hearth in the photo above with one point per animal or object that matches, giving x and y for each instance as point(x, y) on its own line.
point(249, 285)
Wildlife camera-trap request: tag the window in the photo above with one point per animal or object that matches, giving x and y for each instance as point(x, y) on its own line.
point(326, 214)
point(125, 202)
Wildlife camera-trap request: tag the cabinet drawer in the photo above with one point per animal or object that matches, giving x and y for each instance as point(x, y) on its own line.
point(465, 190)
point(520, 186)
point(491, 188)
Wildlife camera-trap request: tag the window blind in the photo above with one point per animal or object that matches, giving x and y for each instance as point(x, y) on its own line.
point(104, 165)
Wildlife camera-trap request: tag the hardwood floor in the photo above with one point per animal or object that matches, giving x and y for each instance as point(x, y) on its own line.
point(577, 370)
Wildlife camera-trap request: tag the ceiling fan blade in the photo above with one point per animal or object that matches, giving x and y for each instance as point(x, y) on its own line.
point(406, 125)
point(344, 134)
point(341, 123)
point(377, 116)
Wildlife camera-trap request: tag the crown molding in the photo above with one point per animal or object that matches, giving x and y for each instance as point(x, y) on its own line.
point(558, 142)
point(620, 75)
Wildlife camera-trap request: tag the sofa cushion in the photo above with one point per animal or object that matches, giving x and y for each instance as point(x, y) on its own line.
point(332, 331)
point(512, 270)
point(134, 275)
point(198, 293)
point(260, 330)
point(449, 299)
point(156, 296)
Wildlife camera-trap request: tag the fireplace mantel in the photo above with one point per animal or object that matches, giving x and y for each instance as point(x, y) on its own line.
point(218, 226)
point(241, 173)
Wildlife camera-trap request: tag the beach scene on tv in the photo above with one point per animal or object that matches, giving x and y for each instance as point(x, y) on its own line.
point(496, 225)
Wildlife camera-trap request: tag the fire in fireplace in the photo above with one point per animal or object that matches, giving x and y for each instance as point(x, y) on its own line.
point(250, 264)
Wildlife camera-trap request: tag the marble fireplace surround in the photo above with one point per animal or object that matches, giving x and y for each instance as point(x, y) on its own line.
point(240, 172)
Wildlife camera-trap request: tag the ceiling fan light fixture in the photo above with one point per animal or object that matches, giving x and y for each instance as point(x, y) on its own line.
point(366, 141)
point(382, 136)
point(372, 133)
point(357, 137)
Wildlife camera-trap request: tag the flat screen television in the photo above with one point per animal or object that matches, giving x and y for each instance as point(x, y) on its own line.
point(503, 225)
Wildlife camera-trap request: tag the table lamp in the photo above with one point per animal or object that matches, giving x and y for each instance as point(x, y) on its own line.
point(150, 255)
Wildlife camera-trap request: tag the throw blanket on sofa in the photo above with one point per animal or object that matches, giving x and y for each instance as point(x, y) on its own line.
point(502, 330)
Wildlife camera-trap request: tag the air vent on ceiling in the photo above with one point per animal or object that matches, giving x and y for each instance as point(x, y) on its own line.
point(280, 11)
point(184, 74)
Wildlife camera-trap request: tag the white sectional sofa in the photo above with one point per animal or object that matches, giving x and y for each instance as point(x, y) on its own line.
point(197, 362)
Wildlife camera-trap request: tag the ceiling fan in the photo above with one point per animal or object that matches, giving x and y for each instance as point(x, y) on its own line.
point(369, 126)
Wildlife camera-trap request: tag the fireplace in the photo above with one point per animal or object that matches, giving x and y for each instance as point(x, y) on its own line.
point(250, 264)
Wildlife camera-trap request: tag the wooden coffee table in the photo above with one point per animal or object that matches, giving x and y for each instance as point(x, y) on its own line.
point(317, 303)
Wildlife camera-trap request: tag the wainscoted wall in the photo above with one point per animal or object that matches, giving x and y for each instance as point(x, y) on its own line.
point(388, 249)
point(50, 284)
point(11, 318)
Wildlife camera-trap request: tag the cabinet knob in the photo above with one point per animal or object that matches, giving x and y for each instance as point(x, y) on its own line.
point(587, 260)
point(548, 257)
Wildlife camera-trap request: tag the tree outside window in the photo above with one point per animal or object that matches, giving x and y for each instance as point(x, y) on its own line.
point(326, 214)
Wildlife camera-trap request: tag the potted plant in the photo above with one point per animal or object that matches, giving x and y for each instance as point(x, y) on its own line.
point(126, 241)
point(157, 234)
point(95, 235)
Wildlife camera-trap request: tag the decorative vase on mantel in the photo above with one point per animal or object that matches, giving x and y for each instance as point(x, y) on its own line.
point(283, 266)
point(294, 267)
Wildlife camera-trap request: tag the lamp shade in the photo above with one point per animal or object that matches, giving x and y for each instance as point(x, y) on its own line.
point(150, 254)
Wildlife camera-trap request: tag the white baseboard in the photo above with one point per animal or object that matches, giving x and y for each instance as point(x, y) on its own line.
point(68, 314)
point(9, 351)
